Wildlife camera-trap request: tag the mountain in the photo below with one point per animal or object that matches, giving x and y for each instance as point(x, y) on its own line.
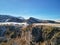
point(31, 20)
point(6, 18)
point(34, 20)
point(21, 18)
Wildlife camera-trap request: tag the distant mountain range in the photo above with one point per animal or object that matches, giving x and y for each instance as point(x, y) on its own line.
point(7, 18)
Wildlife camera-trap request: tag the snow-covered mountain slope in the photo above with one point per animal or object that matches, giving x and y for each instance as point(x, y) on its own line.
point(31, 20)
point(7, 18)
point(34, 20)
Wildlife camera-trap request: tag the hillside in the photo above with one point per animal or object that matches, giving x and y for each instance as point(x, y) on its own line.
point(30, 35)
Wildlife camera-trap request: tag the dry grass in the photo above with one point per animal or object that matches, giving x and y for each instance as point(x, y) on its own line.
point(26, 35)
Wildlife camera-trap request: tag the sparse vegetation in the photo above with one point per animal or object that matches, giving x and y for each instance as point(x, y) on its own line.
point(31, 35)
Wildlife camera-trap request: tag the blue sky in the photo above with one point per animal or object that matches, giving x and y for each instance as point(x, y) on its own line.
point(41, 9)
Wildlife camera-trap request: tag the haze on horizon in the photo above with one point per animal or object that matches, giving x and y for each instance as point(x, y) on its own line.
point(41, 9)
